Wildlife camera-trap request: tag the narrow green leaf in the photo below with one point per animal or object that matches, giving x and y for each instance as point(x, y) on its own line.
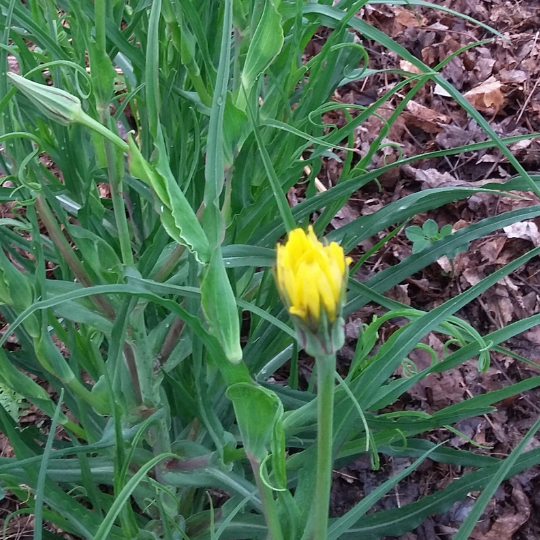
point(214, 145)
point(265, 45)
point(479, 506)
point(153, 97)
point(386, 279)
point(341, 525)
point(440, 7)
point(235, 130)
point(40, 487)
point(123, 497)
point(373, 33)
point(285, 211)
point(398, 521)
point(401, 343)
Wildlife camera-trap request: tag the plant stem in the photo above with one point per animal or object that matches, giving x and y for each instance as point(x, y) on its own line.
point(326, 365)
point(268, 502)
point(118, 203)
point(100, 16)
point(58, 238)
point(103, 95)
point(90, 123)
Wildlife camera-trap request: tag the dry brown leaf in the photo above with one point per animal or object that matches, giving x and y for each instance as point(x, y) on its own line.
point(513, 76)
point(407, 18)
point(345, 215)
point(486, 97)
point(429, 55)
point(461, 224)
point(104, 190)
point(13, 64)
point(405, 65)
point(440, 91)
point(500, 305)
point(492, 248)
point(520, 145)
point(400, 293)
point(533, 335)
point(472, 275)
point(484, 65)
point(430, 178)
point(437, 390)
point(526, 230)
point(445, 264)
point(371, 206)
point(505, 526)
point(426, 114)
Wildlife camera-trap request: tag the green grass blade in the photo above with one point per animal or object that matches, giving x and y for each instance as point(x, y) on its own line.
point(399, 521)
point(123, 497)
point(342, 524)
point(479, 506)
point(40, 486)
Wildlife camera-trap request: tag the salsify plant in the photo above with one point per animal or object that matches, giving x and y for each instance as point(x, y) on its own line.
point(147, 150)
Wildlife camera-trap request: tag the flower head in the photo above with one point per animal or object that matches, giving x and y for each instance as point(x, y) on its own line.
point(311, 277)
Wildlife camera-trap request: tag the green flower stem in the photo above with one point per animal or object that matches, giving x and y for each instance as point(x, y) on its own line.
point(115, 181)
point(60, 241)
point(268, 502)
point(171, 339)
point(100, 18)
point(118, 203)
point(326, 366)
point(129, 356)
point(102, 127)
point(89, 122)
point(143, 359)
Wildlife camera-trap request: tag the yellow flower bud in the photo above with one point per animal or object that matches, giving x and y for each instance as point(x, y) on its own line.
point(311, 276)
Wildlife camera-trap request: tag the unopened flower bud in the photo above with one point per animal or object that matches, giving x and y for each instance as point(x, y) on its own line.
point(311, 279)
point(55, 103)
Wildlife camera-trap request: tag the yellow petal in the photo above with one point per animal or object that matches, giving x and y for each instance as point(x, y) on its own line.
point(307, 280)
point(327, 296)
point(335, 252)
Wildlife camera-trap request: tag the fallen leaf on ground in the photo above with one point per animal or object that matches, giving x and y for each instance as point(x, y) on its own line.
point(407, 17)
point(500, 304)
point(513, 75)
point(491, 248)
point(425, 118)
point(486, 97)
point(405, 65)
point(525, 229)
point(425, 113)
point(505, 526)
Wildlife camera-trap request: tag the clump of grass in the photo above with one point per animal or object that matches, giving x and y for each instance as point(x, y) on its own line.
point(137, 277)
